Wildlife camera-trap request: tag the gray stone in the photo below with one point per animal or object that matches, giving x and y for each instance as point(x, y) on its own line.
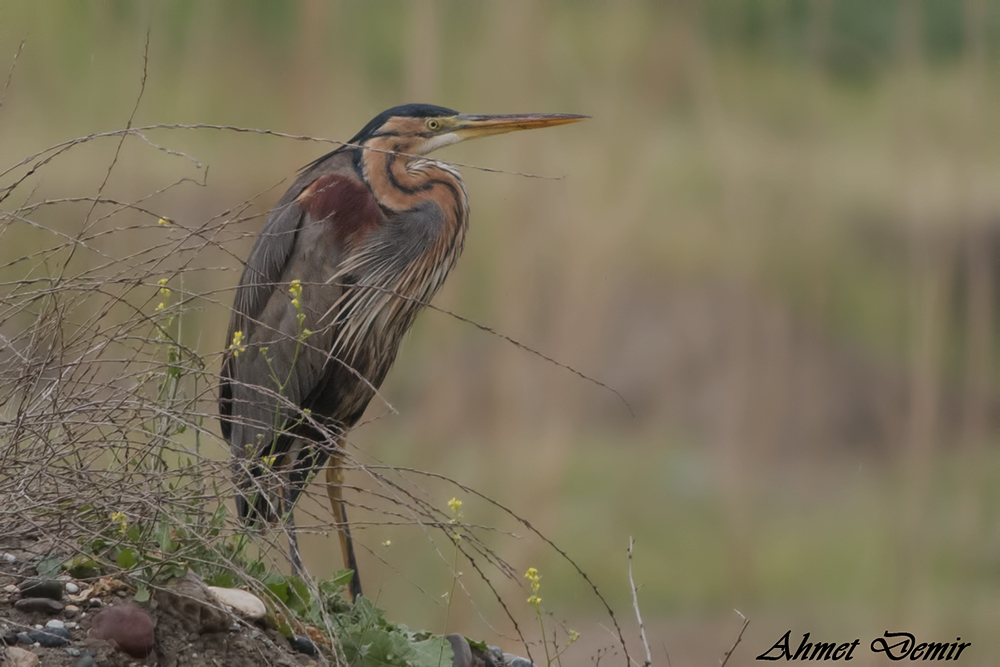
point(55, 623)
point(23, 638)
point(190, 600)
point(73, 652)
point(303, 645)
point(41, 588)
point(51, 637)
point(33, 605)
point(71, 588)
point(461, 650)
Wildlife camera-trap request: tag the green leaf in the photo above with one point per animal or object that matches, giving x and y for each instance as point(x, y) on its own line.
point(49, 568)
point(82, 567)
point(142, 593)
point(127, 558)
point(432, 652)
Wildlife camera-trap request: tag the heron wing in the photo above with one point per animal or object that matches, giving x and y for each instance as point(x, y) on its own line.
point(286, 341)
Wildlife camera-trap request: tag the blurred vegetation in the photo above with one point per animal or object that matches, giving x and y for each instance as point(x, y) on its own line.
point(778, 238)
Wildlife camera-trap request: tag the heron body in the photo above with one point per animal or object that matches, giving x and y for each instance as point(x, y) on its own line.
point(360, 242)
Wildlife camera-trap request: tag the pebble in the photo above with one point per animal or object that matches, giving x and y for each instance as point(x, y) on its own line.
point(9, 558)
point(23, 638)
point(303, 645)
point(125, 626)
point(241, 601)
point(461, 652)
point(516, 661)
point(55, 623)
point(31, 605)
point(95, 603)
point(70, 625)
point(52, 637)
point(10, 638)
point(71, 588)
point(41, 588)
point(73, 652)
point(70, 611)
point(10, 588)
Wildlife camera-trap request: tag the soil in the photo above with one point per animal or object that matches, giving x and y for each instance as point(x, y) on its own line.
point(243, 644)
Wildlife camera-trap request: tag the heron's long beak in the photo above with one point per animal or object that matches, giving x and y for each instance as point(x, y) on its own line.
point(470, 126)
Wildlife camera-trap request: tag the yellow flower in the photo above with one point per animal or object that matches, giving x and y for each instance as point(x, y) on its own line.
point(164, 290)
point(535, 579)
point(122, 520)
point(387, 543)
point(160, 306)
point(237, 345)
point(456, 507)
point(295, 288)
point(163, 221)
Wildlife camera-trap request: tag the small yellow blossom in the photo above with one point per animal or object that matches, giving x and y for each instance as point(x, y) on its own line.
point(295, 288)
point(163, 221)
point(269, 460)
point(122, 520)
point(164, 290)
point(160, 306)
point(387, 543)
point(535, 579)
point(455, 505)
point(237, 345)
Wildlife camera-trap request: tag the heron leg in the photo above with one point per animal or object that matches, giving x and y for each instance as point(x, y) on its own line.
point(294, 555)
point(335, 489)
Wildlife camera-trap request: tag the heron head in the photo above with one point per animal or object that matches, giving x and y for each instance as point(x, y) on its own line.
point(422, 128)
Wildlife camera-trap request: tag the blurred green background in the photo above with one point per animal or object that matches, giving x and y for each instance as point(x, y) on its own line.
point(778, 238)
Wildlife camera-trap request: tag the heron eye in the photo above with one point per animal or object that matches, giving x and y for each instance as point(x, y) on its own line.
point(433, 124)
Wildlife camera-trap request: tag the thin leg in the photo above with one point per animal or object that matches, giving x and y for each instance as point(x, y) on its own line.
point(294, 555)
point(334, 489)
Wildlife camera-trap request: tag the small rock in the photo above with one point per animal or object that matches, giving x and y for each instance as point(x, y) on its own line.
point(41, 588)
point(10, 588)
point(198, 608)
point(516, 661)
point(55, 623)
point(9, 558)
point(85, 661)
point(70, 610)
point(31, 605)
point(10, 638)
point(126, 627)
point(18, 657)
point(95, 603)
point(23, 638)
point(462, 652)
point(71, 588)
point(51, 638)
point(72, 652)
point(303, 645)
point(120, 594)
point(243, 602)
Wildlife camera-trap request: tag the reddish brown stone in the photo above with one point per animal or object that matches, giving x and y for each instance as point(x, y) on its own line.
point(125, 627)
